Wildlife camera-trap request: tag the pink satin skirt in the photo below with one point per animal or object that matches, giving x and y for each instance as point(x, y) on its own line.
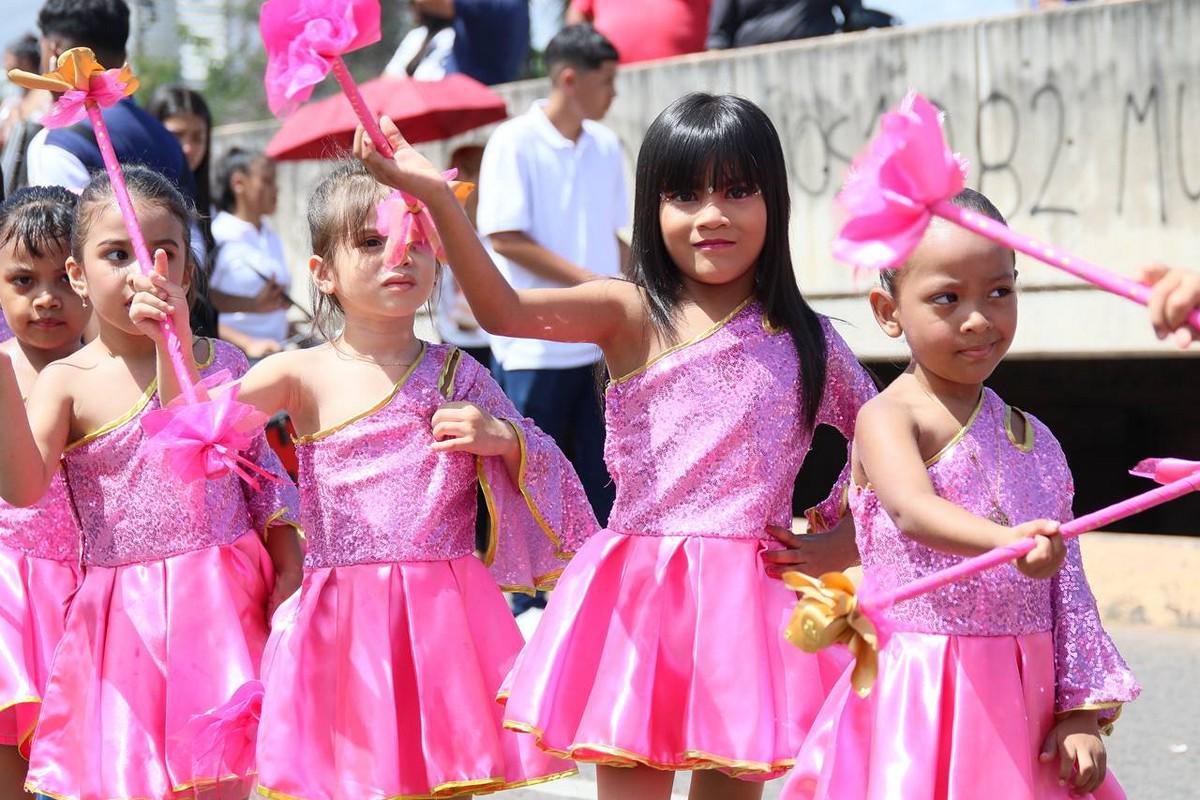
point(34, 593)
point(949, 718)
point(146, 647)
point(668, 651)
point(381, 682)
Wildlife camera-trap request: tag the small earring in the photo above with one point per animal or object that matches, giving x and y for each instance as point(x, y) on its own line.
point(84, 299)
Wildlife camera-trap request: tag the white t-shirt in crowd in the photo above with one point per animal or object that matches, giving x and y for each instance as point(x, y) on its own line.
point(437, 63)
point(569, 197)
point(246, 258)
point(456, 323)
point(455, 320)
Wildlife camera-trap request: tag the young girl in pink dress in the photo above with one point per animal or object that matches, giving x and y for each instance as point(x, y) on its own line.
point(171, 614)
point(998, 685)
point(381, 676)
point(662, 647)
point(39, 545)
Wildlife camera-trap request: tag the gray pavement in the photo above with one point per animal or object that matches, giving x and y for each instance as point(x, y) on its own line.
point(1155, 749)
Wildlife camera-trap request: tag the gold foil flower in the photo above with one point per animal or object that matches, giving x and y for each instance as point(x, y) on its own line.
point(75, 70)
point(827, 613)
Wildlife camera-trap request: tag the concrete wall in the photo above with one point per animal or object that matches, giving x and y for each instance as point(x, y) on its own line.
point(1080, 123)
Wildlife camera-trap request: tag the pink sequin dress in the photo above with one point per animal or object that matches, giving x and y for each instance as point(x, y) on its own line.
point(39, 571)
point(663, 644)
point(381, 675)
point(170, 618)
point(973, 673)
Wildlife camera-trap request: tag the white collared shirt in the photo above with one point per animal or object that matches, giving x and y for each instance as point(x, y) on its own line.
point(245, 255)
point(569, 197)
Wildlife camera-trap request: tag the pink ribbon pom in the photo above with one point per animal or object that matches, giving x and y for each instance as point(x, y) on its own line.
point(405, 221)
point(907, 176)
point(890, 189)
point(203, 440)
point(223, 741)
point(302, 39)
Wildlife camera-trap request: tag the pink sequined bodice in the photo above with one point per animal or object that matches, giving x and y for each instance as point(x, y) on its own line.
point(707, 439)
point(374, 490)
point(994, 470)
point(46, 529)
point(133, 508)
point(991, 474)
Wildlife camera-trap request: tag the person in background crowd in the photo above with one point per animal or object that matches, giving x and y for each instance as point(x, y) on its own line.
point(456, 323)
point(68, 156)
point(552, 197)
point(426, 52)
point(741, 23)
point(676, 26)
point(21, 114)
point(185, 114)
point(491, 37)
point(21, 105)
point(249, 258)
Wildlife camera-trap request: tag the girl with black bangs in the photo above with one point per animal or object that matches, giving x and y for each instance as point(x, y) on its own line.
point(662, 647)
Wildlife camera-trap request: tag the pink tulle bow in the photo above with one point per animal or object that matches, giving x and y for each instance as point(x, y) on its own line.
point(302, 38)
point(203, 440)
point(107, 90)
point(406, 221)
point(906, 169)
point(222, 742)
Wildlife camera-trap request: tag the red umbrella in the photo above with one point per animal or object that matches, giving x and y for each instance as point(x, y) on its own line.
point(425, 111)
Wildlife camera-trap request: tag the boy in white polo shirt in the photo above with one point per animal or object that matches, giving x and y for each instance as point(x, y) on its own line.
point(552, 197)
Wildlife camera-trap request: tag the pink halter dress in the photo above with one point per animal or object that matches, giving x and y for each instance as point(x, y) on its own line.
point(663, 644)
point(381, 674)
point(169, 619)
point(972, 674)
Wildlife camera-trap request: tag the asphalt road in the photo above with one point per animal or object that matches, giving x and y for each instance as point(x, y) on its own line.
point(1155, 749)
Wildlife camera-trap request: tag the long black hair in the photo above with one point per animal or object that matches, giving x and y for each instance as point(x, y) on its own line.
point(722, 140)
point(175, 100)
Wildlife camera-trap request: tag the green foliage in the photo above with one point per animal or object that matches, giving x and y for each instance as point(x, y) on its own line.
point(233, 86)
point(152, 73)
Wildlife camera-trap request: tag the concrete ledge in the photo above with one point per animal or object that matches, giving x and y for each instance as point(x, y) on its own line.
point(1140, 579)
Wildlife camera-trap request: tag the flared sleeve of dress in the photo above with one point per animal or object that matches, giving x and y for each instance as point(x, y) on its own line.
point(539, 520)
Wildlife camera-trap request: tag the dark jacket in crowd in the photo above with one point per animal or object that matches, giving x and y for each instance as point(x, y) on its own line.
point(741, 23)
point(491, 39)
point(137, 137)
